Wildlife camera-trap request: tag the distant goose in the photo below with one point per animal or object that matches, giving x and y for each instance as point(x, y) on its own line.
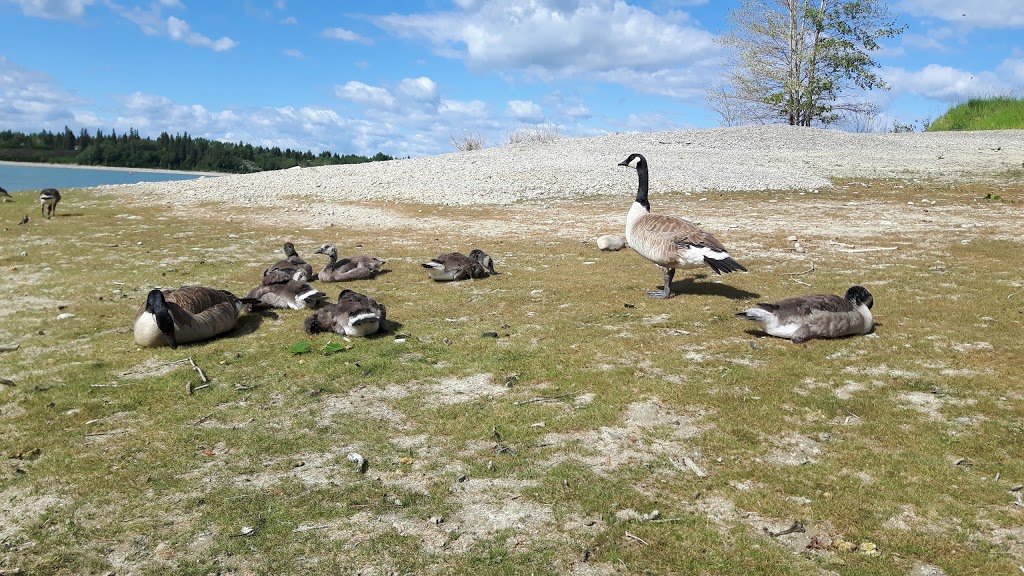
point(458, 266)
point(351, 268)
point(668, 241)
point(354, 314)
point(4, 196)
point(188, 314)
point(279, 290)
point(298, 267)
point(815, 316)
point(48, 199)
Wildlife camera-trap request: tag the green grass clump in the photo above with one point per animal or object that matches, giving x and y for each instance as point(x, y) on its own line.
point(1000, 113)
point(565, 443)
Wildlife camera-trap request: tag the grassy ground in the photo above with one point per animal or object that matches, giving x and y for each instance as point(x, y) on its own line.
point(566, 444)
point(982, 114)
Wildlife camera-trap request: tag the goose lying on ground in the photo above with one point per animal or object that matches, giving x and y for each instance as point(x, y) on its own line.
point(279, 290)
point(458, 266)
point(668, 241)
point(48, 199)
point(298, 267)
point(188, 314)
point(354, 314)
point(815, 316)
point(351, 268)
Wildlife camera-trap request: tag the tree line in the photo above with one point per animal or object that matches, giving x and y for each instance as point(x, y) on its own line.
point(166, 152)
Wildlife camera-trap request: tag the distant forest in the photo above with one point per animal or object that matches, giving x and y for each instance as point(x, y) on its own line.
point(178, 152)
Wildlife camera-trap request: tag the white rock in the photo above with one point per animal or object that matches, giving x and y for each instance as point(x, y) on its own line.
point(65, 316)
point(610, 242)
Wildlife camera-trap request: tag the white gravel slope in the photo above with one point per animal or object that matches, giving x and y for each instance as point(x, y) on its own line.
point(744, 158)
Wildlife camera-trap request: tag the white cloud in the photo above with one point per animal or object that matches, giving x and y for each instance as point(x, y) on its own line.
point(558, 38)
point(290, 20)
point(364, 94)
point(422, 89)
point(989, 14)
point(293, 52)
point(525, 111)
point(343, 34)
point(944, 83)
point(179, 30)
point(476, 109)
point(53, 9)
point(30, 100)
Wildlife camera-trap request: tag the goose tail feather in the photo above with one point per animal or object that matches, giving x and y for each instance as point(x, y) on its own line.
point(725, 265)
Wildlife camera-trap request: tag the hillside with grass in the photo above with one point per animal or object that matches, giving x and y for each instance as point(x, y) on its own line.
point(1003, 113)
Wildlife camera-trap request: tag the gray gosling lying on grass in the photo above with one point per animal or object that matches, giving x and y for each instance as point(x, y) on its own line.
point(354, 314)
point(188, 314)
point(5, 197)
point(48, 199)
point(297, 267)
point(670, 242)
point(458, 266)
point(280, 290)
point(815, 316)
point(358, 267)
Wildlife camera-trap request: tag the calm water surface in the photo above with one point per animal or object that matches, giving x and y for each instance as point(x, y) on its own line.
point(29, 177)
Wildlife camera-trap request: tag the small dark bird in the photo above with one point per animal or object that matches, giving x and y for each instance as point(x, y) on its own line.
point(5, 197)
point(24, 220)
point(48, 199)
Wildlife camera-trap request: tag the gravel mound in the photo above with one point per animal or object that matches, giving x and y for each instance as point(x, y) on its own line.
point(743, 158)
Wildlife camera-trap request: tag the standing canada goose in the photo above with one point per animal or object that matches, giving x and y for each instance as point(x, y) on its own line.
point(48, 199)
point(4, 196)
point(350, 268)
point(298, 268)
point(279, 290)
point(188, 314)
point(355, 314)
point(458, 266)
point(668, 241)
point(803, 318)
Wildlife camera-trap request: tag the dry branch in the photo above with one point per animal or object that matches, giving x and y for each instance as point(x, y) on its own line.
point(197, 369)
point(544, 398)
point(637, 538)
point(856, 250)
point(811, 269)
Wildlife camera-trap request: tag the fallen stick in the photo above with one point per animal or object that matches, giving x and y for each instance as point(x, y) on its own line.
point(800, 282)
point(197, 369)
point(693, 466)
point(543, 398)
point(637, 538)
point(9, 347)
point(811, 269)
point(855, 250)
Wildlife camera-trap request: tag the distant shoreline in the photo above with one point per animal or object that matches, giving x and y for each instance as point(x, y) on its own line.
point(114, 168)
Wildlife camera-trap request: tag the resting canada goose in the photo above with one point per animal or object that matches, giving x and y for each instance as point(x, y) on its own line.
point(458, 266)
point(48, 199)
point(350, 268)
point(297, 267)
point(815, 316)
point(354, 314)
point(188, 314)
point(4, 196)
point(279, 290)
point(668, 241)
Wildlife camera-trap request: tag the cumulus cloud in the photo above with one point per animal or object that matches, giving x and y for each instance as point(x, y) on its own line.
point(557, 38)
point(990, 14)
point(53, 9)
point(364, 94)
point(31, 100)
point(152, 23)
point(525, 111)
point(944, 83)
point(343, 34)
point(178, 29)
point(422, 89)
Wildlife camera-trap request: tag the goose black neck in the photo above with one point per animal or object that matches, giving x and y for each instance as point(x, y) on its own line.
point(641, 191)
point(157, 305)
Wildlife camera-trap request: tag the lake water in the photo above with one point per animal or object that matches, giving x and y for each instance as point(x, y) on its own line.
point(15, 177)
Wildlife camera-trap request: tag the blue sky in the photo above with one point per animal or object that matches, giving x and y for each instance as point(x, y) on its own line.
point(403, 77)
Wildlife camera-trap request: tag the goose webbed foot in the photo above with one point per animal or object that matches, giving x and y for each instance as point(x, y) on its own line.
point(666, 291)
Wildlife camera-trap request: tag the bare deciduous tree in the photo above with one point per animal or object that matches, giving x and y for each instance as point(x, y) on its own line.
point(795, 59)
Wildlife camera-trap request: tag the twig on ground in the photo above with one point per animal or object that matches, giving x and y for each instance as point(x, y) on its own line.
point(857, 250)
point(544, 398)
point(637, 538)
point(102, 385)
point(689, 464)
point(797, 526)
point(660, 520)
point(9, 347)
point(203, 419)
point(197, 369)
point(800, 282)
point(811, 269)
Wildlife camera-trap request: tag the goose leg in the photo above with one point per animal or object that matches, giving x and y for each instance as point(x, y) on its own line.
point(666, 292)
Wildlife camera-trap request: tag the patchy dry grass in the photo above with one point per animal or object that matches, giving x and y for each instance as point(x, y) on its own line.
point(568, 443)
